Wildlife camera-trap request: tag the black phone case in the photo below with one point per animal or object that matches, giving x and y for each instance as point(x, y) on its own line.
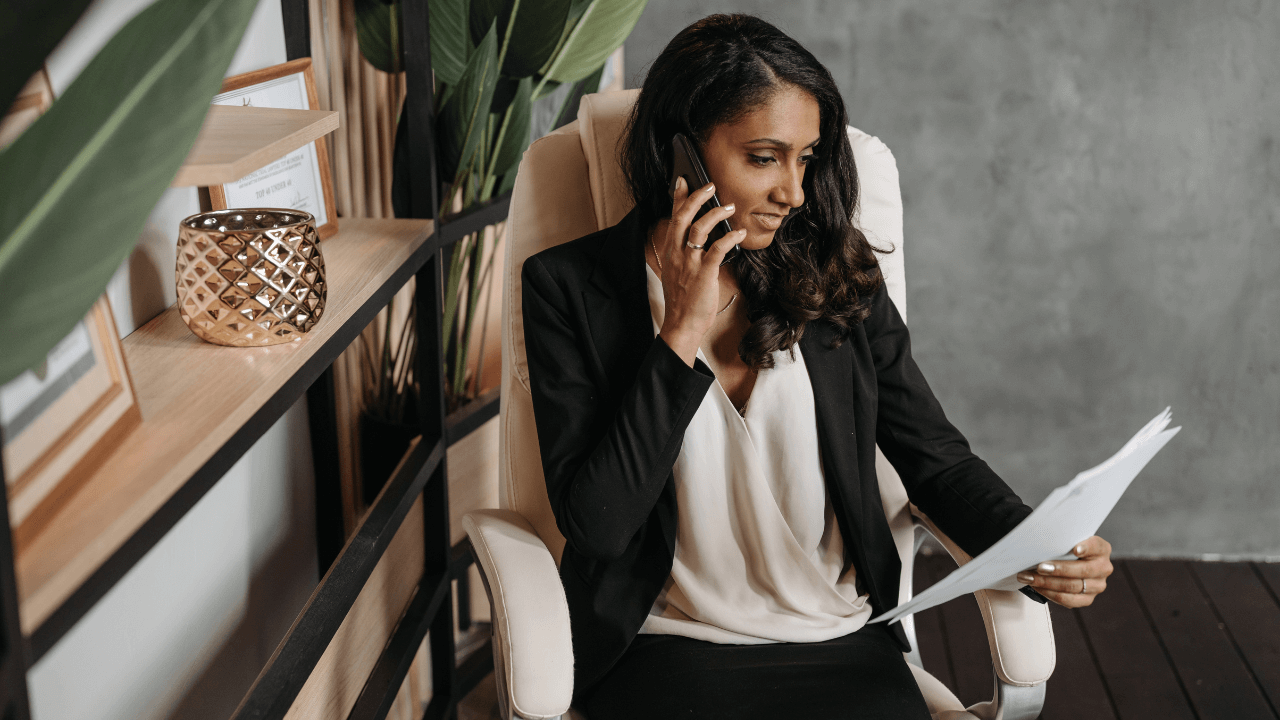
point(686, 163)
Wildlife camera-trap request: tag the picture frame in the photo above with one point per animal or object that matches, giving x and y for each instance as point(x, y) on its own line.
point(61, 419)
point(301, 180)
point(57, 422)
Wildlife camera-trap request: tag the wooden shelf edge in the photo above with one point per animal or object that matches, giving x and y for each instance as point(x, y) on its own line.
point(234, 141)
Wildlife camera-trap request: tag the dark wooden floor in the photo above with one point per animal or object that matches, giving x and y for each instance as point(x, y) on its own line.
point(1168, 640)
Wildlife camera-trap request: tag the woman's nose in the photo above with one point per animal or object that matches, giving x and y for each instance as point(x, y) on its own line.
point(790, 191)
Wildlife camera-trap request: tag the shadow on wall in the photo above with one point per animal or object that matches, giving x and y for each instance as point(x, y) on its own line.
point(270, 603)
point(1092, 233)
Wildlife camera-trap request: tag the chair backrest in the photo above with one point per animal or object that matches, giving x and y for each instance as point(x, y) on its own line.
point(570, 184)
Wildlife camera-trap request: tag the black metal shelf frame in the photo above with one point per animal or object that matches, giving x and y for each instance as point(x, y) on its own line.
point(421, 472)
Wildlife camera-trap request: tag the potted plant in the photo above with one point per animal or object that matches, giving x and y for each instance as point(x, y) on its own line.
point(494, 62)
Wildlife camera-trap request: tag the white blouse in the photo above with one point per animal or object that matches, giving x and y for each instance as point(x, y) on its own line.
point(759, 557)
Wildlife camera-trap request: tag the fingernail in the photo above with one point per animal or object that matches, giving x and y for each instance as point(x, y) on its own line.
point(710, 187)
point(743, 233)
point(1046, 567)
point(1026, 577)
point(1079, 550)
point(730, 207)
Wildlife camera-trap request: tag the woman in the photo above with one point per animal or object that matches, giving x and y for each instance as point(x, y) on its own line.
point(716, 483)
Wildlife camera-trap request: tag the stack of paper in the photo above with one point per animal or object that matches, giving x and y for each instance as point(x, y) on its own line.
point(1070, 514)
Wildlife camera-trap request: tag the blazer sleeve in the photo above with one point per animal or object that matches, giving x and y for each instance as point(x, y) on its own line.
point(954, 487)
point(606, 456)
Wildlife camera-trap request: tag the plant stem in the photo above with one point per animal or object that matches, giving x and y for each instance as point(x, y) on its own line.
point(465, 326)
point(506, 39)
point(396, 64)
point(484, 315)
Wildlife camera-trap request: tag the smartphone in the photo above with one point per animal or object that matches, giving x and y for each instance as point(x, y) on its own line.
point(686, 163)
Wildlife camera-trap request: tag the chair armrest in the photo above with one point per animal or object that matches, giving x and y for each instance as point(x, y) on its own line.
point(533, 650)
point(1019, 630)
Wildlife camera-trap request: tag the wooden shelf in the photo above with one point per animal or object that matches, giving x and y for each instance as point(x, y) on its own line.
point(235, 141)
point(197, 399)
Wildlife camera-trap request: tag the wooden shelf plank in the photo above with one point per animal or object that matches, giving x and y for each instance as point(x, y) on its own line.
point(194, 396)
point(235, 141)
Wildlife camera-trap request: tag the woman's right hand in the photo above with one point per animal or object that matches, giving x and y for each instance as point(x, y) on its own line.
point(691, 277)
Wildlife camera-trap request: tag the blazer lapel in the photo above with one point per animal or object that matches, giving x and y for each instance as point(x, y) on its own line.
point(617, 303)
point(832, 370)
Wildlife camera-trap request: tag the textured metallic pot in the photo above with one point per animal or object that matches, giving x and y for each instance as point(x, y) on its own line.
point(250, 277)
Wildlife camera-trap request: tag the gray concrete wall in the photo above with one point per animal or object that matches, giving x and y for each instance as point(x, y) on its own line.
point(1092, 200)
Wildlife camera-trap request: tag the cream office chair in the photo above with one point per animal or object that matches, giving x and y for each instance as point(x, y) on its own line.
point(570, 184)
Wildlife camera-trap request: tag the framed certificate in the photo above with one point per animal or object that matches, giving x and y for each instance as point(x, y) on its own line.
point(301, 180)
point(61, 417)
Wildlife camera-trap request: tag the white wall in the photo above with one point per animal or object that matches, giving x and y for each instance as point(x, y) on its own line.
point(186, 631)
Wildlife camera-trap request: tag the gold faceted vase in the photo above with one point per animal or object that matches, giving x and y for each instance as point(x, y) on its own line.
point(250, 277)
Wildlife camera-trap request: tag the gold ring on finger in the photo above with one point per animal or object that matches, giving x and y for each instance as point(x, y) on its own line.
point(1084, 585)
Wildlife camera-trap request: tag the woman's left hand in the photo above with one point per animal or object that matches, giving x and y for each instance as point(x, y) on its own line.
point(1073, 583)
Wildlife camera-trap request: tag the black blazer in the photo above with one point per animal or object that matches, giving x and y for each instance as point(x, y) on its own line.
point(612, 404)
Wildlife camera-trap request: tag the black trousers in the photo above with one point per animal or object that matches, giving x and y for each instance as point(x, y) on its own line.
point(861, 675)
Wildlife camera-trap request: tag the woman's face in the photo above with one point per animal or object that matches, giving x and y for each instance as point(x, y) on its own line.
point(758, 162)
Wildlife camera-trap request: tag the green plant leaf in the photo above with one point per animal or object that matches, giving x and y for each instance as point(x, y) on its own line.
point(539, 25)
point(485, 13)
point(513, 137)
point(76, 188)
point(28, 33)
point(463, 116)
point(379, 35)
point(503, 94)
point(576, 8)
point(507, 184)
point(544, 88)
point(604, 25)
point(450, 42)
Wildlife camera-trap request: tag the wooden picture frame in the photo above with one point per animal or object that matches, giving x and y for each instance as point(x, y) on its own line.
point(301, 180)
point(59, 422)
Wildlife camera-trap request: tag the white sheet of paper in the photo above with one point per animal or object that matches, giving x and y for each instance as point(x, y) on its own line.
point(1070, 514)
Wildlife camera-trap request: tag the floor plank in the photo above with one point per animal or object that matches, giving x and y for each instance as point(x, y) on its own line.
point(1252, 618)
point(1076, 690)
point(1270, 574)
point(1212, 671)
point(1142, 682)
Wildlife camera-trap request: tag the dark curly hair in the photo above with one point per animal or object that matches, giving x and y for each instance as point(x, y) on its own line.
point(819, 264)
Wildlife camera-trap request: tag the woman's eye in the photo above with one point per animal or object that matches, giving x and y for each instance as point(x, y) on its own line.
point(806, 159)
point(761, 160)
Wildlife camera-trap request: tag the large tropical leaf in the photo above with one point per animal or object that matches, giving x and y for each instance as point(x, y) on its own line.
point(76, 188)
point(539, 25)
point(513, 135)
point(29, 30)
point(485, 13)
point(379, 35)
point(464, 115)
point(576, 8)
point(450, 41)
point(604, 25)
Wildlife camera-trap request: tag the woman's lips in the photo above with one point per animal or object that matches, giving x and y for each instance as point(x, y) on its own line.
point(768, 220)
